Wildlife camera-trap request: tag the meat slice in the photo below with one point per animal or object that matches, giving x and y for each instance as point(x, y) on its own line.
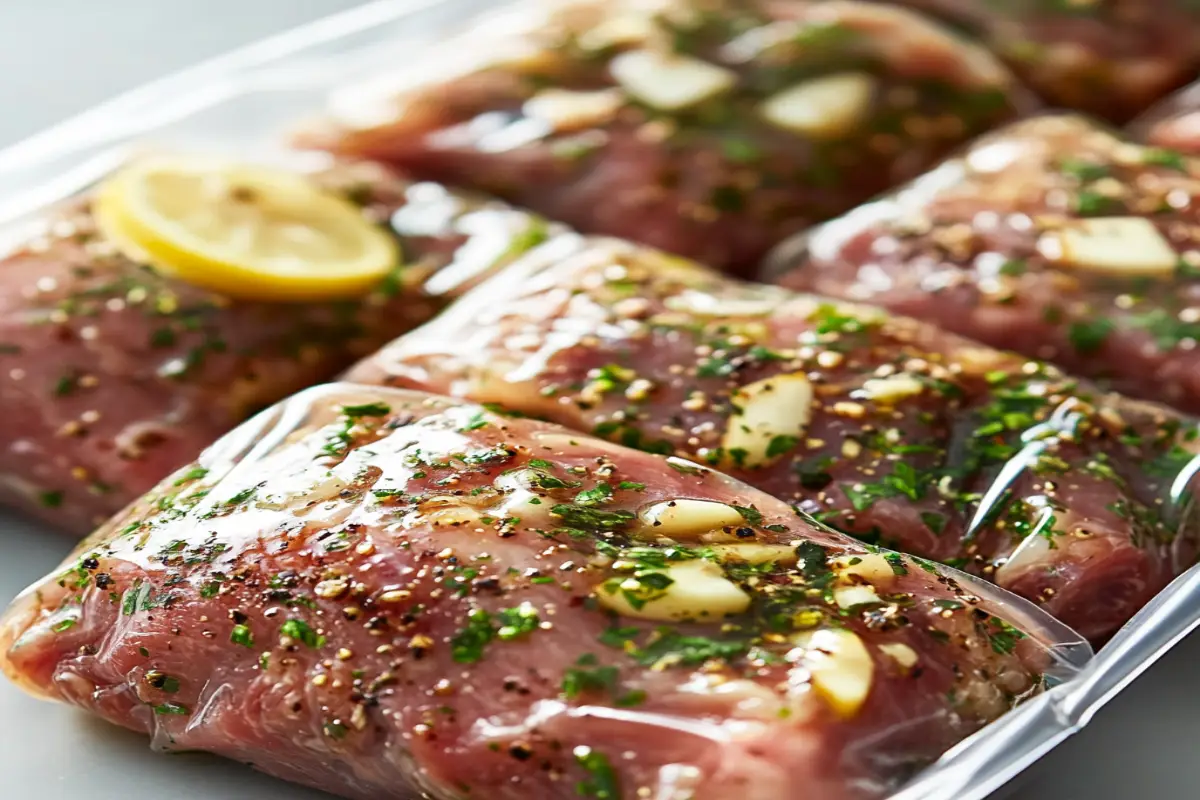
point(710, 129)
point(112, 375)
point(886, 428)
point(392, 595)
point(1053, 238)
point(1112, 58)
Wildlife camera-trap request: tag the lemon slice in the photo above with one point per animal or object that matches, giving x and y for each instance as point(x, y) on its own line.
point(248, 232)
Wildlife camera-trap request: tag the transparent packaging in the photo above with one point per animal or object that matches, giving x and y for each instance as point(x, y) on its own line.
point(246, 103)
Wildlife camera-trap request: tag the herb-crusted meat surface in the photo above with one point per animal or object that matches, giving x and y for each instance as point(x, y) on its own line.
point(1107, 57)
point(112, 375)
point(884, 427)
point(710, 129)
point(1053, 237)
point(390, 595)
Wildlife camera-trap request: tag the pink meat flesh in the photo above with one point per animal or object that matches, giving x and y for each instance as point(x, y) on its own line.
point(912, 438)
point(390, 595)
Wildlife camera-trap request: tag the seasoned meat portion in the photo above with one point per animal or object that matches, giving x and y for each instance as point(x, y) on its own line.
point(392, 595)
point(112, 375)
point(1053, 238)
point(710, 129)
point(1112, 58)
point(1173, 123)
point(886, 428)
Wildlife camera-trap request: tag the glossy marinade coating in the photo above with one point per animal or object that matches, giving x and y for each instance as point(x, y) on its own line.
point(1112, 58)
point(887, 428)
point(112, 375)
point(1174, 123)
point(390, 595)
point(1053, 237)
point(710, 129)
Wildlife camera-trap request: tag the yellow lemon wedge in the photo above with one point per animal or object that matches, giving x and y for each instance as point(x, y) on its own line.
point(247, 232)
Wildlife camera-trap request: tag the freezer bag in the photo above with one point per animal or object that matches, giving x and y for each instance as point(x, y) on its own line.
point(114, 370)
point(884, 427)
point(1053, 237)
point(388, 594)
point(1174, 123)
point(711, 129)
point(1112, 58)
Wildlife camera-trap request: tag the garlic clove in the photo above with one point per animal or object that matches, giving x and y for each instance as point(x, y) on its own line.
point(824, 107)
point(669, 82)
point(763, 410)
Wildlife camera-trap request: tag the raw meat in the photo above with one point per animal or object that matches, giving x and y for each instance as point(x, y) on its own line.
point(710, 129)
point(884, 427)
point(1112, 58)
point(390, 596)
point(112, 376)
point(1053, 237)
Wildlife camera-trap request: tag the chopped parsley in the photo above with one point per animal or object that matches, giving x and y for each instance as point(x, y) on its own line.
point(1089, 336)
point(241, 635)
point(299, 630)
point(602, 783)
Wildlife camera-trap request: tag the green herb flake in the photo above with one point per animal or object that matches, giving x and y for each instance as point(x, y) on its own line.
point(1089, 336)
point(300, 631)
point(595, 496)
point(478, 420)
point(602, 783)
point(366, 410)
point(241, 635)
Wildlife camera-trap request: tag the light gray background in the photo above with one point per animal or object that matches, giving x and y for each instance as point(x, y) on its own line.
point(58, 57)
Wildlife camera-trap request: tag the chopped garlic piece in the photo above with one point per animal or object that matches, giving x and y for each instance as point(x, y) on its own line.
point(755, 553)
point(850, 596)
point(841, 668)
point(1114, 245)
point(891, 388)
point(669, 82)
point(625, 29)
point(568, 110)
point(870, 567)
point(901, 653)
point(824, 107)
point(698, 590)
point(688, 518)
point(764, 410)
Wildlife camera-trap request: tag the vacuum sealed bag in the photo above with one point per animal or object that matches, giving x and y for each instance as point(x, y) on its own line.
point(114, 371)
point(710, 129)
point(393, 595)
point(1174, 123)
point(338, 592)
point(1111, 58)
point(1052, 237)
point(886, 428)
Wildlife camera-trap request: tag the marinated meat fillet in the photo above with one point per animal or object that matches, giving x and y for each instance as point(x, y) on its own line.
point(886, 428)
point(1174, 123)
point(1107, 57)
point(112, 375)
point(710, 129)
point(391, 595)
point(1053, 238)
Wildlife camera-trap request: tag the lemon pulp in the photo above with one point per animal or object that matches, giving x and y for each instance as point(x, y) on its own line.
point(248, 232)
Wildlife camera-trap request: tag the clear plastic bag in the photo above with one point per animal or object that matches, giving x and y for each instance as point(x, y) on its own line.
point(1111, 58)
point(708, 128)
point(1174, 123)
point(889, 429)
point(1053, 237)
point(392, 594)
point(244, 103)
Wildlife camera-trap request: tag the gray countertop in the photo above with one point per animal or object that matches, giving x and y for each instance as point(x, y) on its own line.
point(59, 57)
